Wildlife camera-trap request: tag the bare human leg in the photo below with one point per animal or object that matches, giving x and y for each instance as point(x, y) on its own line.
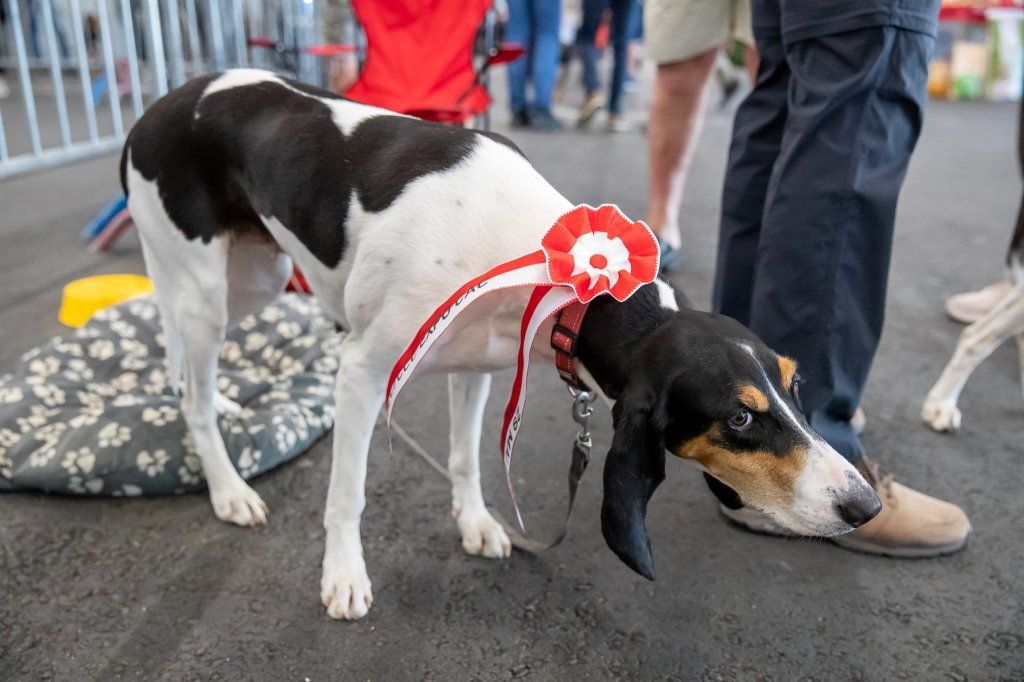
point(677, 116)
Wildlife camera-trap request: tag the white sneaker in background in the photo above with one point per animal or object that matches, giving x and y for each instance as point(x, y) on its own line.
point(859, 422)
point(618, 124)
point(971, 306)
point(5, 89)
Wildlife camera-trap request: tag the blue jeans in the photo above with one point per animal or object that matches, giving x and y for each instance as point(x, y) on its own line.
point(625, 14)
point(534, 25)
point(819, 151)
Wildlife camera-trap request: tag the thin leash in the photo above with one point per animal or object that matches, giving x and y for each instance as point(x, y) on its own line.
point(582, 409)
point(564, 337)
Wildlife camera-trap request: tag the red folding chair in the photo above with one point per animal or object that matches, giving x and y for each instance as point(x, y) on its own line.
point(419, 58)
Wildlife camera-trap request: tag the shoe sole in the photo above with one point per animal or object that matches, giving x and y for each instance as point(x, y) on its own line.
point(908, 553)
point(771, 529)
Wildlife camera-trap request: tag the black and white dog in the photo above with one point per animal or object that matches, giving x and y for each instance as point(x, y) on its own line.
point(234, 175)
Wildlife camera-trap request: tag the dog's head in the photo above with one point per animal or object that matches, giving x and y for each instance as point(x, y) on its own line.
point(704, 388)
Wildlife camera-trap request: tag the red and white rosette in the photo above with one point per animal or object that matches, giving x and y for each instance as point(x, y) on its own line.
point(587, 252)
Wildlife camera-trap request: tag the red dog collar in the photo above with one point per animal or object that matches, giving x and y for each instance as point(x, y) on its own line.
point(564, 336)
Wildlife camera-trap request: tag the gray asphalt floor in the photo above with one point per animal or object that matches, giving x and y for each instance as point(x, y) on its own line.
point(158, 588)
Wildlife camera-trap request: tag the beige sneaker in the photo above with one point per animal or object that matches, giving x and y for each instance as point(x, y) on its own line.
point(591, 105)
point(910, 525)
point(971, 306)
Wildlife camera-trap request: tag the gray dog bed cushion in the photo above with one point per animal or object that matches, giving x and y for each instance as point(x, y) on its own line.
point(93, 415)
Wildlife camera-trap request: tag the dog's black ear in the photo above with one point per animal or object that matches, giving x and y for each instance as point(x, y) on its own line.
point(634, 468)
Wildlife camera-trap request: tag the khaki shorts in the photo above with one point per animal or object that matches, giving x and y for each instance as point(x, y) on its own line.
point(675, 30)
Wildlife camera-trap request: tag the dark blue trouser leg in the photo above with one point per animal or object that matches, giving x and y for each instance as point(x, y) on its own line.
point(518, 30)
point(545, 50)
point(623, 16)
point(756, 141)
point(592, 12)
point(823, 238)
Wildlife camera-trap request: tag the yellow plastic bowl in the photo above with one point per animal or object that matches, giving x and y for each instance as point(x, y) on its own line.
point(83, 297)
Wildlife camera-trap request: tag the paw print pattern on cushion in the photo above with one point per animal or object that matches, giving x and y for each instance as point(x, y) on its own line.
point(94, 413)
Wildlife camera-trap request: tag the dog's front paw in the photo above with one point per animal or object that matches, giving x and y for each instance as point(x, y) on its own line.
point(224, 405)
point(345, 590)
point(239, 504)
point(482, 535)
point(941, 415)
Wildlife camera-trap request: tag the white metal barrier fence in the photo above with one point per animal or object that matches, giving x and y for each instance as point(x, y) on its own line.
point(78, 73)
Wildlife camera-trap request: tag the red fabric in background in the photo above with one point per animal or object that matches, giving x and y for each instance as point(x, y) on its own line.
point(420, 55)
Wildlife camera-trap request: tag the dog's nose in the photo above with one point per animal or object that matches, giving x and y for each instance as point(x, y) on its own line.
point(859, 508)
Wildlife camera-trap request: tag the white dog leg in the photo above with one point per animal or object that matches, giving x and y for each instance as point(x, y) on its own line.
point(233, 500)
point(224, 405)
point(976, 343)
point(345, 586)
point(481, 534)
point(190, 279)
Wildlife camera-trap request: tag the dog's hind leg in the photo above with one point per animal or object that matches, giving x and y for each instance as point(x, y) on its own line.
point(359, 394)
point(204, 325)
point(976, 343)
point(194, 304)
point(481, 534)
point(257, 271)
point(190, 283)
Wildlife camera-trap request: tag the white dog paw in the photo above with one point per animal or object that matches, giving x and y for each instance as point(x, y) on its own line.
point(239, 504)
point(941, 415)
point(482, 535)
point(345, 590)
point(225, 405)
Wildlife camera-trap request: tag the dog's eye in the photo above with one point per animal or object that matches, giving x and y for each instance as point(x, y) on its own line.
point(741, 421)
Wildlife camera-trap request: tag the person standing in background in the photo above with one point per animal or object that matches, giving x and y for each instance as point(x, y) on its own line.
point(624, 16)
point(683, 37)
point(819, 152)
point(340, 28)
point(534, 24)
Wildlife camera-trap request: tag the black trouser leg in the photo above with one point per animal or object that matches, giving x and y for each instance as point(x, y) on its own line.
point(854, 113)
point(806, 267)
point(756, 142)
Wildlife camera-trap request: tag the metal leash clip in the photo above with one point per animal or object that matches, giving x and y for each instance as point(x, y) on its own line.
point(581, 410)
